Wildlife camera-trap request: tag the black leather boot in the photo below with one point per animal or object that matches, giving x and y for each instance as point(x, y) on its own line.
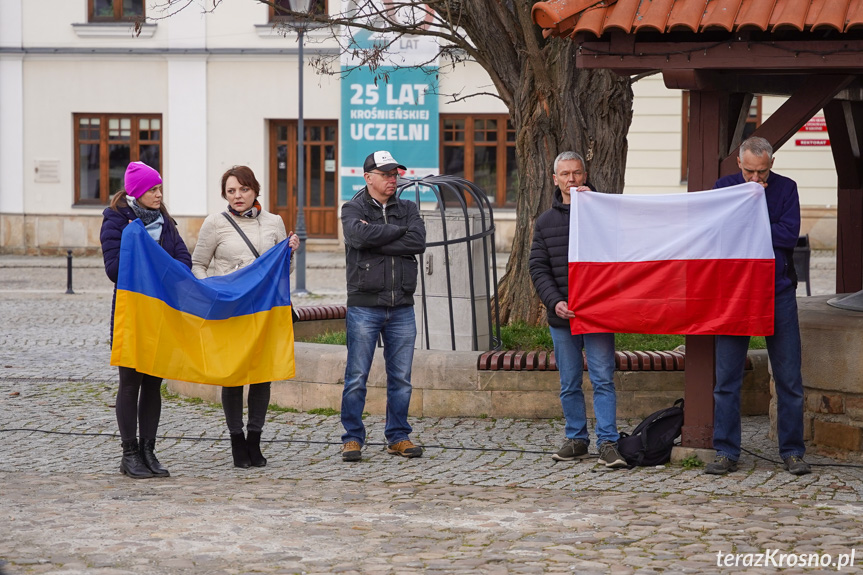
point(240, 450)
point(132, 464)
point(148, 454)
point(253, 442)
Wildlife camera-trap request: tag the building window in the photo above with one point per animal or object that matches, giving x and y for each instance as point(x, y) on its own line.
point(104, 146)
point(116, 10)
point(753, 120)
point(279, 9)
point(481, 148)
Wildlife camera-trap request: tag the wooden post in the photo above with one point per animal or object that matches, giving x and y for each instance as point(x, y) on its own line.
point(708, 141)
point(845, 126)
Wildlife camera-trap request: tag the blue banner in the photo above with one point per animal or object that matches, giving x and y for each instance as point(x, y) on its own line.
point(393, 108)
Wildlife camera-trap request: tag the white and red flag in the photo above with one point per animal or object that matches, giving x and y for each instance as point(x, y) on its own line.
point(697, 263)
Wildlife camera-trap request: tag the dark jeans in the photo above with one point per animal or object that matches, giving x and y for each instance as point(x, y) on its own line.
point(139, 403)
point(783, 349)
point(232, 403)
point(397, 327)
point(599, 350)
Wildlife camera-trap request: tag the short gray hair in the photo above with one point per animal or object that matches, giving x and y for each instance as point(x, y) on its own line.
point(563, 156)
point(757, 146)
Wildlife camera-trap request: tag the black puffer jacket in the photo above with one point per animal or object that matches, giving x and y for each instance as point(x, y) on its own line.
point(113, 224)
point(549, 257)
point(380, 255)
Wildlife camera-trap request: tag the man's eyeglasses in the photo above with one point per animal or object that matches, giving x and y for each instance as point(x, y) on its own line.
point(566, 175)
point(387, 175)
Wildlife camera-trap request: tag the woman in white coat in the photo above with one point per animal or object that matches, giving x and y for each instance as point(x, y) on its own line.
point(227, 242)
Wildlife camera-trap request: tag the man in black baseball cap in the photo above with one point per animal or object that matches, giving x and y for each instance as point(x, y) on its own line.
point(382, 161)
point(383, 235)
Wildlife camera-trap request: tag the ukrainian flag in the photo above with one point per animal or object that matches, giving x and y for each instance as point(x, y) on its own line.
point(229, 330)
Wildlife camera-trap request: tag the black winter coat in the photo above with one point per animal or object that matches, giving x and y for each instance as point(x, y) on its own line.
point(549, 257)
point(380, 255)
point(113, 224)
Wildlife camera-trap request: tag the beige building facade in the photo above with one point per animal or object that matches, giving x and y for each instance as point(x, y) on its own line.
point(82, 94)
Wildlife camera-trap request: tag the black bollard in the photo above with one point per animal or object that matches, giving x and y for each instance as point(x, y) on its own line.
point(69, 272)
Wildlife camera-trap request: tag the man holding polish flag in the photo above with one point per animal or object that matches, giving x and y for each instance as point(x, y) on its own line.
point(783, 346)
point(549, 272)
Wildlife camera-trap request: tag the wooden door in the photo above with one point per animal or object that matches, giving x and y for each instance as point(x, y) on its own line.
point(321, 181)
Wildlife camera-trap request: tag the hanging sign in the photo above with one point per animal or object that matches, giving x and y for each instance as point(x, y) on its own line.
point(812, 128)
point(816, 124)
point(812, 142)
point(393, 106)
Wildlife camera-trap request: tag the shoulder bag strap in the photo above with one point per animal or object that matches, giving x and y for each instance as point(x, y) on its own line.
point(242, 235)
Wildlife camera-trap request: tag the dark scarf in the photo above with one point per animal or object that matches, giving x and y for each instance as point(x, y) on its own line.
point(146, 215)
point(250, 213)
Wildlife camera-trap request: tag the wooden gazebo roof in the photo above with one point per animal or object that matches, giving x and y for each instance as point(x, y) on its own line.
point(752, 37)
point(562, 18)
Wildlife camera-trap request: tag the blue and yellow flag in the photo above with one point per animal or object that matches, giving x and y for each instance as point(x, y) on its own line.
point(229, 330)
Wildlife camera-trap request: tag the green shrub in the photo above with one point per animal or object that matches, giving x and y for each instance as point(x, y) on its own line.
point(691, 462)
point(330, 337)
point(519, 335)
point(325, 411)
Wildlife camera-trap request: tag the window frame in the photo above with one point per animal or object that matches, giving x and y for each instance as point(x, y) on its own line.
point(469, 145)
point(118, 15)
point(135, 143)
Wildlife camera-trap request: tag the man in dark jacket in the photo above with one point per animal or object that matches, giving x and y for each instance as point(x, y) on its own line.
point(383, 236)
point(549, 270)
point(783, 347)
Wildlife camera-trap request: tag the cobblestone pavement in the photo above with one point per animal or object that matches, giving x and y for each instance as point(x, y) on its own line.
point(485, 498)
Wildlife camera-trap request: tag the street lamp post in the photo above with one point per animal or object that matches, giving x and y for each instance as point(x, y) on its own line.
point(302, 6)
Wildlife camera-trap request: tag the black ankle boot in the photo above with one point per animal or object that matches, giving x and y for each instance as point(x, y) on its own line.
point(148, 454)
point(240, 450)
point(253, 442)
point(132, 464)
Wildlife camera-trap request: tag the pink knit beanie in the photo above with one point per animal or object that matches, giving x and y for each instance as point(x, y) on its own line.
point(139, 178)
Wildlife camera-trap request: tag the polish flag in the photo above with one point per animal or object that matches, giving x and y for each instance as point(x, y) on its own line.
point(697, 263)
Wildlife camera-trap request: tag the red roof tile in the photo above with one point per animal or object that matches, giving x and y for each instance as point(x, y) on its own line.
point(564, 17)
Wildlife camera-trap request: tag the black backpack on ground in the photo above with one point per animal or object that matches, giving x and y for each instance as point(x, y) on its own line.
point(651, 441)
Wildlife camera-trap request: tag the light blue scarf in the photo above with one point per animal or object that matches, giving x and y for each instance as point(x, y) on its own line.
point(152, 219)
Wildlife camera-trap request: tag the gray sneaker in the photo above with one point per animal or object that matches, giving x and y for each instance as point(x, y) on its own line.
point(796, 466)
point(610, 456)
point(720, 466)
point(572, 449)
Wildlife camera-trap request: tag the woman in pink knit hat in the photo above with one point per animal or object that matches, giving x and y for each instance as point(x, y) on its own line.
point(139, 400)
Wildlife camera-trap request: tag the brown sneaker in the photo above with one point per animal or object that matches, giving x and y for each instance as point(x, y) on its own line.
point(405, 448)
point(352, 451)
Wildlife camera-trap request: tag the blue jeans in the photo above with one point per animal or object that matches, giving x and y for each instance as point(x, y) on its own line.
point(783, 349)
point(397, 327)
point(599, 349)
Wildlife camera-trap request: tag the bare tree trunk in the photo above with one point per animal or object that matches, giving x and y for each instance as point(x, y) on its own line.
point(559, 108)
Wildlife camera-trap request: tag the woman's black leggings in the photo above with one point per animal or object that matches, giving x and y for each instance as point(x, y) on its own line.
point(232, 403)
point(139, 404)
